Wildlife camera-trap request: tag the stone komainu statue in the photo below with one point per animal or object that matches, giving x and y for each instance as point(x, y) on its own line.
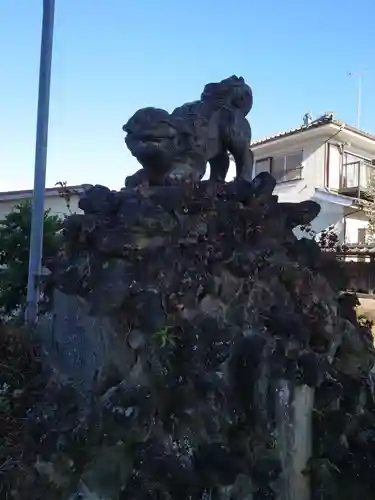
point(179, 145)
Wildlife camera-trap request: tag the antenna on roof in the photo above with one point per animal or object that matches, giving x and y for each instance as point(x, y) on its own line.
point(307, 119)
point(359, 94)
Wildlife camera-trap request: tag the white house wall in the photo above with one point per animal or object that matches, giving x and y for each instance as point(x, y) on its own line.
point(56, 204)
point(330, 215)
point(313, 176)
point(230, 175)
point(312, 172)
point(293, 192)
point(231, 172)
point(334, 167)
point(313, 163)
point(351, 230)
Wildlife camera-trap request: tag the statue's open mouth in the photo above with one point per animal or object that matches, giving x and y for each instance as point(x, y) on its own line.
point(161, 134)
point(151, 138)
point(154, 142)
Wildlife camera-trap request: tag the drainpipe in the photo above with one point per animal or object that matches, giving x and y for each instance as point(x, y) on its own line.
point(327, 156)
point(326, 162)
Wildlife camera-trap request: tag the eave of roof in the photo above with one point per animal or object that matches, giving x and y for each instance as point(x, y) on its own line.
point(325, 120)
point(49, 192)
point(330, 196)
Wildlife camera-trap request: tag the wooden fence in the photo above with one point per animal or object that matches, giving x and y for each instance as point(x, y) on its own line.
point(361, 274)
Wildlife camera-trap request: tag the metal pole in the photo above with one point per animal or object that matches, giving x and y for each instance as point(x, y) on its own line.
point(37, 221)
point(359, 98)
point(359, 95)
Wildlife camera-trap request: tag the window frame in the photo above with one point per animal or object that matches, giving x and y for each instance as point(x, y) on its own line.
point(362, 234)
point(271, 160)
point(359, 163)
point(264, 159)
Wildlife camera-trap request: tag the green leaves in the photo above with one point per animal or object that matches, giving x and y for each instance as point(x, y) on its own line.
point(165, 337)
point(14, 253)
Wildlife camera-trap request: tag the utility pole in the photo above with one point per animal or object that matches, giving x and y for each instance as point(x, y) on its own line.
point(37, 221)
point(359, 94)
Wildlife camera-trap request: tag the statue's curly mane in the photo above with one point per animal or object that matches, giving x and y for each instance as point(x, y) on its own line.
point(230, 91)
point(146, 118)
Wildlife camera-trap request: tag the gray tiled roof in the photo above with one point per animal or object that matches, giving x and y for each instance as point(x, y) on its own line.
point(323, 120)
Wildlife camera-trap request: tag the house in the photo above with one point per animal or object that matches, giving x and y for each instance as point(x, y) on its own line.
point(324, 160)
point(54, 200)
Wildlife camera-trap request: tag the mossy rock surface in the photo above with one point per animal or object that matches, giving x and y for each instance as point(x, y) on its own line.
point(215, 301)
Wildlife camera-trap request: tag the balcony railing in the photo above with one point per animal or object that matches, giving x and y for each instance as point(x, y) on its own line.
point(355, 178)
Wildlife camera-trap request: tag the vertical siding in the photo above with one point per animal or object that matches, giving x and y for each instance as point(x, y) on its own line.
point(314, 163)
point(334, 167)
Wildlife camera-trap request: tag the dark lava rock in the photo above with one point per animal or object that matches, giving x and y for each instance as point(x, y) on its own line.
point(218, 301)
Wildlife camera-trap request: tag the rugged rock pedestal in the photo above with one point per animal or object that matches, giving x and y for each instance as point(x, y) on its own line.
point(226, 324)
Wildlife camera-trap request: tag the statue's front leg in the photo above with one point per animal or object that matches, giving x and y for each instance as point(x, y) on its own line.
point(219, 166)
point(238, 142)
point(244, 160)
point(189, 169)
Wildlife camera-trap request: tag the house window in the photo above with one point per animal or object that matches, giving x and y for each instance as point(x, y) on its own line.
point(362, 237)
point(263, 165)
point(357, 172)
point(287, 167)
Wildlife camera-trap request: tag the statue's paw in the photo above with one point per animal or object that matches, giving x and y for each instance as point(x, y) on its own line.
point(184, 172)
point(263, 184)
point(137, 179)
